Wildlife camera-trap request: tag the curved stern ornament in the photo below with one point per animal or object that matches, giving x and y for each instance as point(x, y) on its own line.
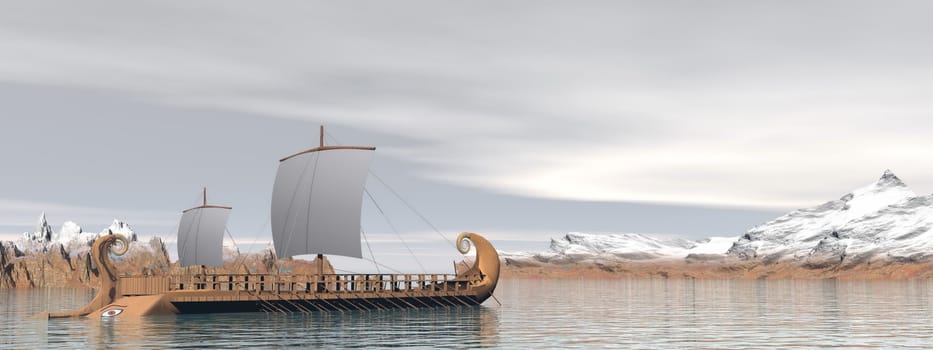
point(103, 247)
point(485, 270)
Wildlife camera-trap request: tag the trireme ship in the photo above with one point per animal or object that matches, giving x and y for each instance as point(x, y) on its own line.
point(316, 209)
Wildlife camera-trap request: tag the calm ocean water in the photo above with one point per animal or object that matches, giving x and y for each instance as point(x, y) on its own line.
point(534, 314)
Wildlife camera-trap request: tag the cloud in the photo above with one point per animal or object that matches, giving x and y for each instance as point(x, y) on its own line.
point(768, 104)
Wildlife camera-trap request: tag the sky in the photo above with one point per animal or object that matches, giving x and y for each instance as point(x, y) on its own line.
point(522, 120)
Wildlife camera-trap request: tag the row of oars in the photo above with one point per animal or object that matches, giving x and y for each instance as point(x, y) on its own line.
point(268, 304)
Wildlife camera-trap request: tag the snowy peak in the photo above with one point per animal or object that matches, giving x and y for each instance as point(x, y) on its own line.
point(42, 232)
point(120, 227)
point(70, 235)
point(889, 179)
point(888, 190)
point(807, 224)
point(884, 219)
point(69, 231)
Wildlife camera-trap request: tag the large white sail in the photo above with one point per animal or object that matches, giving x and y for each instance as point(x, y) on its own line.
point(201, 235)
point(316, 201)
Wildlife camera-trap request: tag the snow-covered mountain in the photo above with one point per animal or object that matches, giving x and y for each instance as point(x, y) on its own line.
point(42, 233)
point(884, 220)
point(578, 247)
point(119, 227)
point(70, 235)
point(68, 232)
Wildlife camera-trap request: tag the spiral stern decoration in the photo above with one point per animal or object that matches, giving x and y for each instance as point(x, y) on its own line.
point(485, 270)
point(105, 245)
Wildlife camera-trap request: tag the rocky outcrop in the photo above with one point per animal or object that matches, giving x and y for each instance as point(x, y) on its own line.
point(44, 258)
point(6, 255)
point(56, 266)
point(724, 268)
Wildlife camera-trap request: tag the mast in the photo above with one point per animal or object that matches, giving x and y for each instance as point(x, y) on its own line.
point(320, 257)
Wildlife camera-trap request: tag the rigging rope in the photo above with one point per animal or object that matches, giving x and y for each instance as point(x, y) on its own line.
point(370, 195)
point(235, 246)
point(397, 234)
point(370, 249)
point(407, 205)
point(250, 250)
point(412, 208)
point(385, 266)
point(400, 198)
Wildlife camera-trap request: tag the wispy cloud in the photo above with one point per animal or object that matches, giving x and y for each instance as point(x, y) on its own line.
point(662, 102)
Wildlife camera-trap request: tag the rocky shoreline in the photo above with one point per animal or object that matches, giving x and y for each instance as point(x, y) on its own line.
point(742, 270)
point(56, 266)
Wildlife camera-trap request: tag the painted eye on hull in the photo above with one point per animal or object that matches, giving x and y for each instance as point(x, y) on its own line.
point(111, 313)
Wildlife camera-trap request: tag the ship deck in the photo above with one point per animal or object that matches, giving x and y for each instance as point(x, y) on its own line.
point(207, 293)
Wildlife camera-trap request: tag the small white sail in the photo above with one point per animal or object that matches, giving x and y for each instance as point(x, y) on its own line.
point(316, 201)
point(201, 236)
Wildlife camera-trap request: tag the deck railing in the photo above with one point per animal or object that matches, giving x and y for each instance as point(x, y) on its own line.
point(328, 283)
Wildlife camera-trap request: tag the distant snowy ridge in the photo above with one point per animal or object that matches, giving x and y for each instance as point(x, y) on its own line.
point(882, 221)
point(70, 236)
point(576, 247)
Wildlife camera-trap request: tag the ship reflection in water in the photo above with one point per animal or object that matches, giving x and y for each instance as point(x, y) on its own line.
point(469, 326)
point(460, 326)
point(534, 314)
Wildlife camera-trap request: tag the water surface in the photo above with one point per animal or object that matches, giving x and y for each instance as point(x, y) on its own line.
point(533, 314)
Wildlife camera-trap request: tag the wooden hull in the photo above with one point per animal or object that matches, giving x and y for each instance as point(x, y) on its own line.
point(275, 299)
point(135, 296)
point(303, 305)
